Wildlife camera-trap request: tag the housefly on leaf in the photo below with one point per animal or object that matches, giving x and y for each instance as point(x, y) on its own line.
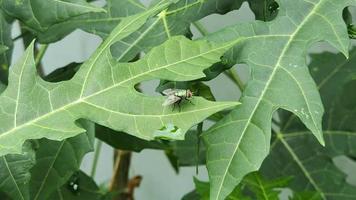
point(177, 96)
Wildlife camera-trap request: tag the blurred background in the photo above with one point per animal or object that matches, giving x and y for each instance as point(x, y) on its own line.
point(160, 181)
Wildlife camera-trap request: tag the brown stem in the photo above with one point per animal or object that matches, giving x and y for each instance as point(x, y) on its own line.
point(120, 180)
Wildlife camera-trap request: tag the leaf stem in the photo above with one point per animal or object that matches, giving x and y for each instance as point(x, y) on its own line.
point(40, 54)
point(199, 132)
point(230, 73)
point(235, 78)
point(201, 28)
point(99, 143)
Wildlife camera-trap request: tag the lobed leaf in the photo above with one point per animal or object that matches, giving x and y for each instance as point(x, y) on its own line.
point(275, 51)
point(31, 12)
point(311, 165)
point(14, 173)
point(103, 92)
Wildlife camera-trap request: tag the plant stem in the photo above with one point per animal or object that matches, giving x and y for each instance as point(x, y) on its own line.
point(201, 28)
point(96, 158)
point(235, 78)
point(40, 54)
point(230, 73)
point(120, 179)
point(199, 132)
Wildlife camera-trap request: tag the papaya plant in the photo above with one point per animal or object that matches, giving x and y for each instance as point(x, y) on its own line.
point(279, 140)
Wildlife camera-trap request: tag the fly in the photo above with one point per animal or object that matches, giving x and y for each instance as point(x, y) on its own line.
point(176, 96)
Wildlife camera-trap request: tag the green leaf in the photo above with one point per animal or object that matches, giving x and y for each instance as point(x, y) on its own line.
point(87, 189)
point(98, 23)
point(103, 92)
point(57, 161)
point(2, 87)
point(31, 12)
point(64, 73)
point(176, 20)
point(264, 10)
point(123, 141)
point(6, 45)
point(253, 184)
point(296, 153)
point(186, 151)
point(306, 195)
point(265, 189)
point(275, 51)
point(14, 173)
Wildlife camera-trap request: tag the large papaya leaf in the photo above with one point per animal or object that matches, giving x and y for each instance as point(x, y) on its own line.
point(42, 170)
point(103, 91)
point(101, 23)
point(30, 12)
point(15, 175)
point(296, 153)
point(275, 51)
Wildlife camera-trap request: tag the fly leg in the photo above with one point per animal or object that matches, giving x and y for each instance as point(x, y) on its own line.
point(189, 101)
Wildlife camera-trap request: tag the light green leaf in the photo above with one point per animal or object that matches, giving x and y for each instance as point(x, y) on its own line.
point(176, 20)
point(103, 92)
point(14, 173)
point(275, 52)
point(296, 153)
point(98, 23)
point(31, 12)
point(57, 161)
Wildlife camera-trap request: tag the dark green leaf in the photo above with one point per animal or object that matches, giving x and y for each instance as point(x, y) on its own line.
point(6, 46)
point(14, 173)
point(295, 152)
point(98, 23)
point(57, 161)
point(32, 12)
point(79, 187)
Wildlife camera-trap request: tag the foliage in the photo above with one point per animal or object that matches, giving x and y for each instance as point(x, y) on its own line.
point(293, 118)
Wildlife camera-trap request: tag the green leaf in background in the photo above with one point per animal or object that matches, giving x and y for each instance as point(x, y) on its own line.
point(31, 12)
point(6, 45)
point(123, 141)
point(264, 10)
point(176, 20)
point(64, 73)
point(14, 173)
point(265, 189)
point(103, 92)
point(298, 153)
point(101, 23)
point(252, 185)
point(306, 195)
point(57, 161)
point(275, 51)
point(85, 189)
point(2, 87)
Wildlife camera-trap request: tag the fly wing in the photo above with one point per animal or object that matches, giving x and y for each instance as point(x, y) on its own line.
point(169, 92)
point(170, 100)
